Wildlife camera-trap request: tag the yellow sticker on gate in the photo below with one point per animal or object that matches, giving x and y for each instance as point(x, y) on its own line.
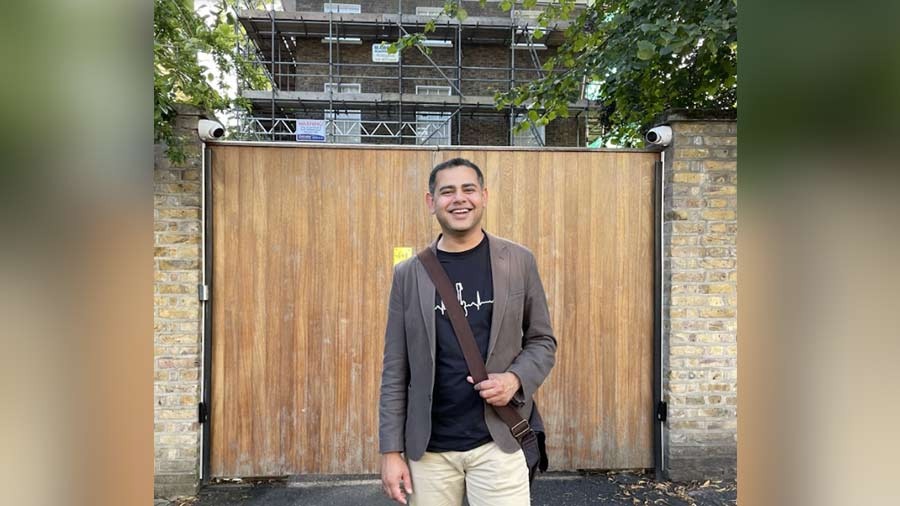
point(401, 253)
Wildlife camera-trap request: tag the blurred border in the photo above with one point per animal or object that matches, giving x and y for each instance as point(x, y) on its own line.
point(819, 85)
point(77, 256)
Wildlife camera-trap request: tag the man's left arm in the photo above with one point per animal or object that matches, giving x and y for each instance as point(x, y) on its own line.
point(538, 343)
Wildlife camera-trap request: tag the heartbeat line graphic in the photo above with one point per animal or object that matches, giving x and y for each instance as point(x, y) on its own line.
point(462, 302)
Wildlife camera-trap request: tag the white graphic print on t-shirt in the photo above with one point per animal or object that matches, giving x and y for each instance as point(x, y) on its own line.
point(462, 302)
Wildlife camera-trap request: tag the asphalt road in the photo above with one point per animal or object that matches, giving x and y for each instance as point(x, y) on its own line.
point(556, 489)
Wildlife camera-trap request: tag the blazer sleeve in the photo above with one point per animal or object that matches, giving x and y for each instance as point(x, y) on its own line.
point(394, 375)
point(538, 343)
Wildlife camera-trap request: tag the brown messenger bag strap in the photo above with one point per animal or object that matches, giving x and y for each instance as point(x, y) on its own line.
point(517, 425)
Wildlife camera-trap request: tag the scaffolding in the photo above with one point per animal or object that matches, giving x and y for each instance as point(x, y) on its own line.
point(396, 113)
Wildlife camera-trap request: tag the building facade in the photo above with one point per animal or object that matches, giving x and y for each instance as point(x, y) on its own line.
point(328, 62)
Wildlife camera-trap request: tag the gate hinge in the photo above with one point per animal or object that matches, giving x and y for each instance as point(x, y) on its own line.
point(203, 292)
point(662, 411)
point(202, 412)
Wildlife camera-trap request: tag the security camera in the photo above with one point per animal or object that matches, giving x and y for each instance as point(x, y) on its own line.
point(661, 135)
point(210, 130)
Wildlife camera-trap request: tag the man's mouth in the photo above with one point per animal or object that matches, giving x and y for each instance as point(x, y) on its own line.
point(460, 212)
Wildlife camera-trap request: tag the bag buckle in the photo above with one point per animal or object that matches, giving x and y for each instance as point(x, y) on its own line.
point(520, 429)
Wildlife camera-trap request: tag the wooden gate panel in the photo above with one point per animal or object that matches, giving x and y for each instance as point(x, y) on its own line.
point(588, 217)
point(303, 241)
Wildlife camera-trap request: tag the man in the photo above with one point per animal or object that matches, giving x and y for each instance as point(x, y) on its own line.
point(454, 443)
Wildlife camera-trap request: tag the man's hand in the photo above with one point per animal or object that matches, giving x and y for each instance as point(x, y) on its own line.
point(394, 471)
point(499, 388)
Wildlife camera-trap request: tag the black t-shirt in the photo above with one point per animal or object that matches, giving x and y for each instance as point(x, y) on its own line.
point(457, 411)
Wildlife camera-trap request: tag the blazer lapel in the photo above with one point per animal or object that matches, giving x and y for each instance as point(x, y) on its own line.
point(426, 302)
point(500, 274)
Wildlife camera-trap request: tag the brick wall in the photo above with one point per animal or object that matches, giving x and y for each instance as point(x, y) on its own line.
point(177, 336)
point(700, 298)
point(700, 306)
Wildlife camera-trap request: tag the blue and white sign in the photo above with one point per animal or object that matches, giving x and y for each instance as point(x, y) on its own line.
point(380, 53)
point(310, 130)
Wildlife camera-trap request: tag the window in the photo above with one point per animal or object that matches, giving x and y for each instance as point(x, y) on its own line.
point(433, 90)
point(433, 128)
point(343, 87)
point(344, 127)
point(526, 14)
point(341, 8)
point(342, 40)
point(533, 136)
point(429, 11)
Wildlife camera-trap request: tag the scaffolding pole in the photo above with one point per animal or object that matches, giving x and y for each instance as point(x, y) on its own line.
point(272, 64)
point(400, 76)
point(332, 124)
point(459, 29)
point(512, 78)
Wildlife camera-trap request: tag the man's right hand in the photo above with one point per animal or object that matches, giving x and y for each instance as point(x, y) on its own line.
point(394, 471)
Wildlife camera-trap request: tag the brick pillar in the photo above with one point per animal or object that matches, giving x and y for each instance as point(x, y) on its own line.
point(176, 311)
point(700, 298)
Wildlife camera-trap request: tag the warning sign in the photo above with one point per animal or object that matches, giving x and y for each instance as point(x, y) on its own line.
point(310, 130)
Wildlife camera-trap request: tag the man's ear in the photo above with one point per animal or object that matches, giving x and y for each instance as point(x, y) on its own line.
point(484, 197)
point(429, 201)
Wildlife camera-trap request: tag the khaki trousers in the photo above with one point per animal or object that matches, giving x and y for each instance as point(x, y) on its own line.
point(486, 475)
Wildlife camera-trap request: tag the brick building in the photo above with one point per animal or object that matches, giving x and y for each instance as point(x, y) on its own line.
point(329, 62)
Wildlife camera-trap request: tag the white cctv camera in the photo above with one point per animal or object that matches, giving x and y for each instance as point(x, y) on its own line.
point(210, 130)
point(660, 136)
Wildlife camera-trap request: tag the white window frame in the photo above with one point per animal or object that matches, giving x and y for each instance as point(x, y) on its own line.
point(337, 8)
point(526, 137)
point(526, 14)
point(343, 87)
point(444, 91)
point(429, 11)
point(343, 127)
point(429, 121)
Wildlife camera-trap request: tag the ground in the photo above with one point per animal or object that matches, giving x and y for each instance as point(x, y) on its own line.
point(552, 489)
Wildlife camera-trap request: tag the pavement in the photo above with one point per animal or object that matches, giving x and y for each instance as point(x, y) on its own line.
point(551, 489)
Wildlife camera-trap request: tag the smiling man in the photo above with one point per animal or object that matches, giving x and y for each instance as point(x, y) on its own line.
point(439, 435)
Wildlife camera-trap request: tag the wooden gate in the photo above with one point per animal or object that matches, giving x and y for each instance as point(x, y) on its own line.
point(303, 241)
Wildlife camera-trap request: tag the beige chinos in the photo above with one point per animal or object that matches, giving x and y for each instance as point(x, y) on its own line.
point(486, 475)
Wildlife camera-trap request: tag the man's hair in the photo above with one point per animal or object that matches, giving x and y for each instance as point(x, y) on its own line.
point(449, 164)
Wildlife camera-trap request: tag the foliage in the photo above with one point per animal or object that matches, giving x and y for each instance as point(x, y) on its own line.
point(179, 34)
point(642, 56)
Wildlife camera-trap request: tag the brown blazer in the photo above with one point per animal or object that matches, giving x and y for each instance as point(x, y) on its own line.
point(521, 342)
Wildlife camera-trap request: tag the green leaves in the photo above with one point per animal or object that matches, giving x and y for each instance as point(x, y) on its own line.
point(649, 56)
point(454, 10)
point(179, 34)
point(646, 50)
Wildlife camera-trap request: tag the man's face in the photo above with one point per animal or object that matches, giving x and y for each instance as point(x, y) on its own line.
point(458, 200)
